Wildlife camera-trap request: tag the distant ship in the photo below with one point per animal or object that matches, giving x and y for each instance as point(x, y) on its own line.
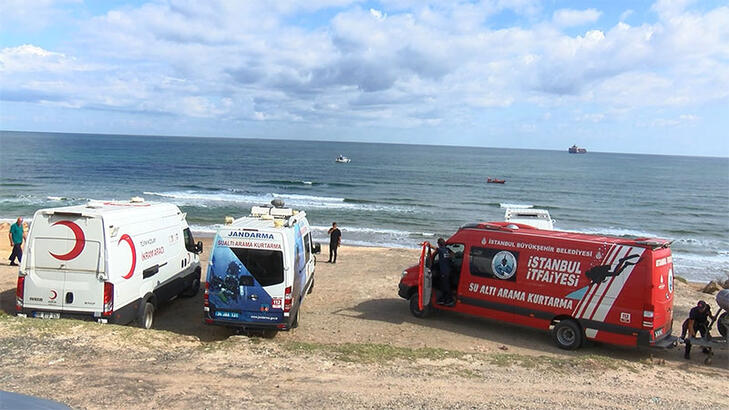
point(576, 150)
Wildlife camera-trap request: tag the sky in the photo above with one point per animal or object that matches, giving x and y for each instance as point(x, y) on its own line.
point(612, 76)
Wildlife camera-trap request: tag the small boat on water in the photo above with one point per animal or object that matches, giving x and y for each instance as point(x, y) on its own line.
point(342, 159)
point(490, 180)
point(576, 150)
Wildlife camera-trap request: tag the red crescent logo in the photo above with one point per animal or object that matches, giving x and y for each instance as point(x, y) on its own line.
point(78, 247)
point(53, 295)
point(128, 239)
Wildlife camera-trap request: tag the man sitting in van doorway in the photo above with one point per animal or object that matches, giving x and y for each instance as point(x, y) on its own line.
point(697, 322)
point(444, 266)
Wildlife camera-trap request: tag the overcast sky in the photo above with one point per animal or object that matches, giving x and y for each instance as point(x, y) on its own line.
point(616, 76)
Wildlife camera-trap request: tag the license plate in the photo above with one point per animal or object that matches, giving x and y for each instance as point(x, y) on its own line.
point(47, 315)
point(227, 315)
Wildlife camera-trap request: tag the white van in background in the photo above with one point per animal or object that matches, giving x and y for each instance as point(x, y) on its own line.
point(261, 267)
point(538, 218)
point(113, 261)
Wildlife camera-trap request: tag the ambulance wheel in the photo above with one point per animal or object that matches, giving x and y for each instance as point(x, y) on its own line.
point(192, 289)
point(146, 316)
point(567, 335)
point(723, 324)
point(415, 309)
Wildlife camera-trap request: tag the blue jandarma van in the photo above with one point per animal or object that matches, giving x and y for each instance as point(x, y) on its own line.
point(261, 267)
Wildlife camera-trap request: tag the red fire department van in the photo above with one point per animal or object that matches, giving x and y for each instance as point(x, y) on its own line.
point(580, 286)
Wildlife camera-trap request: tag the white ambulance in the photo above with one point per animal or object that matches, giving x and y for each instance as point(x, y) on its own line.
point(113, 261)
point(261, 267)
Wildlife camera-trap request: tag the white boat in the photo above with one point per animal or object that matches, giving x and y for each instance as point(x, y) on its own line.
point(342, 159)
point(538, 218)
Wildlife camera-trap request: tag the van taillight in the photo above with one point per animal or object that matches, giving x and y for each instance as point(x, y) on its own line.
point(206, 297)
point(108, 299)
point(19, 292)
point(287, 300)
point(648, 316)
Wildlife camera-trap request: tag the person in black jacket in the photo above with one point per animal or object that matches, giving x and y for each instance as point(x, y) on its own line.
point(335, 240)
point(697, 322)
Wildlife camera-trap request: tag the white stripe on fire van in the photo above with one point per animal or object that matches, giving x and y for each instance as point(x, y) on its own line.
point(617, 286)
point(604, 286)
point(609, 255)
point(593, 287)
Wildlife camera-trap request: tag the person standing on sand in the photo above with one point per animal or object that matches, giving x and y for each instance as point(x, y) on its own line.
point(444, 265)
point(16, 236)
point(335, 241)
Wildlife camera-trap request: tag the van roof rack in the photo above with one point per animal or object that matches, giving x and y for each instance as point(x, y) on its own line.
point(277, 212)
point(653, 243)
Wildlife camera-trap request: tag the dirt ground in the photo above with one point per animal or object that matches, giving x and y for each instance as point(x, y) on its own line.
point(357, 347)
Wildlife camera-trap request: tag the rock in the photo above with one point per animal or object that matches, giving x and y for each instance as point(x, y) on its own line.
point(711, 287)
point(725, 284)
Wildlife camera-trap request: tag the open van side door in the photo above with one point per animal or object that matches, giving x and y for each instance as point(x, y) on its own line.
point(425, 276)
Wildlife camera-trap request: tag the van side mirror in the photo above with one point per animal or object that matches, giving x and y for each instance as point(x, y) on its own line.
point(317, 248)
point(199, 247)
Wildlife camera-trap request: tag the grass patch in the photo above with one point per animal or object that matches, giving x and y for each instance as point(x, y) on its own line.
point(14, 324)
point(61, 328)
point(554, 363)
point(381, 353)
point(372, 352)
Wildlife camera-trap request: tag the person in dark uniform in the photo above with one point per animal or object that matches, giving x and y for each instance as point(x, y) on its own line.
point(335, 240)
point(697, 322)
point(444, 265)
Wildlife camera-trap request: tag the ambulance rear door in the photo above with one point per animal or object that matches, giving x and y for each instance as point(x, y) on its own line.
point(67, 263)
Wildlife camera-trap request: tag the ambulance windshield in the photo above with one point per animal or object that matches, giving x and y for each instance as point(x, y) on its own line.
point(265, 265)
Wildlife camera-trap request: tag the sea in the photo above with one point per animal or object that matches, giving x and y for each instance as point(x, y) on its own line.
point(389, 195)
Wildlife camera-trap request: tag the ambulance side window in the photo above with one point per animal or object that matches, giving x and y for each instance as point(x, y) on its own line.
point(480, 263)
point(307, 246)
point(189, 240)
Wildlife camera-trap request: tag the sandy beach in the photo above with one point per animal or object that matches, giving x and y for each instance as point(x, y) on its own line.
point(357, 346)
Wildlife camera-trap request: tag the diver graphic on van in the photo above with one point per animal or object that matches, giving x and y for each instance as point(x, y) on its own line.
point(235, 292)
point(227, 286)
point(600, 273)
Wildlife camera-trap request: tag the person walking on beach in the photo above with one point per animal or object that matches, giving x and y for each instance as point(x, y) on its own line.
point(335, 240)
point(16, 236)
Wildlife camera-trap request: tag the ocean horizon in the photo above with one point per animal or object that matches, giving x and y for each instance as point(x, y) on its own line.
point(393, 195)
point(224, 137)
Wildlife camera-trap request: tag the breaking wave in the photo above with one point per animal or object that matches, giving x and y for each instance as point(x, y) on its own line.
point(193, 198)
